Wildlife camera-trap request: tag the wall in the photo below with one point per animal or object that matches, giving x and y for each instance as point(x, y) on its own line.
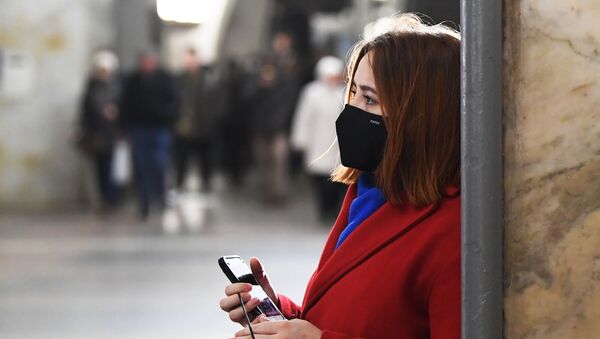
point(552, 169)
point(38, 166)
point(204, 37)
point(138, 30)
point(246, 31)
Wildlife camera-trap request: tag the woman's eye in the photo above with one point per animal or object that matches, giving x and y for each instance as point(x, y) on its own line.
point(369, 100)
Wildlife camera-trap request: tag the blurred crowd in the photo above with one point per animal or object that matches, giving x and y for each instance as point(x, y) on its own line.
point(264, 116)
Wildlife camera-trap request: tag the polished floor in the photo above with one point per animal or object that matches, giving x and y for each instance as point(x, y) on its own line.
point(77, 275)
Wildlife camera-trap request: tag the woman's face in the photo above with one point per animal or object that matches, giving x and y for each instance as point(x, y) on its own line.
point(363, 92)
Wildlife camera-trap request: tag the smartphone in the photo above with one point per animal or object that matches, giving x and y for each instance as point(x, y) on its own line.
point(236, 270)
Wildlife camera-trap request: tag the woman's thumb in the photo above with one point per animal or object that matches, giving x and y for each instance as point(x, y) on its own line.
point(262, 278)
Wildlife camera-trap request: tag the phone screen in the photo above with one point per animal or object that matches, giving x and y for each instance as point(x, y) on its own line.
point(239, 268)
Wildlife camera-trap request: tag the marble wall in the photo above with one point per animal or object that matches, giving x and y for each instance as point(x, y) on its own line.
point(39, 167)
point(552, 169)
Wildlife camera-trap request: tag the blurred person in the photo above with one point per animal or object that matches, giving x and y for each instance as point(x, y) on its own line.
point(235, 131)
point(273, 110)
point(391, 265)
point(313, 133)
point(149, 108)
point(197, 125)
point(98, 128)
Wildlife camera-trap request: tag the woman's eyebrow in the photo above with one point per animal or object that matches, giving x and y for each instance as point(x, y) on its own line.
point(365, 88)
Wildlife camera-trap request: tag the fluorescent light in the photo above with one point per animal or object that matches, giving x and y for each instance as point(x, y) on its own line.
point(185, 11)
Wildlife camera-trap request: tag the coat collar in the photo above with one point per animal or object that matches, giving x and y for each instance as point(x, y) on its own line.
point(452, 191)
point(379, 230)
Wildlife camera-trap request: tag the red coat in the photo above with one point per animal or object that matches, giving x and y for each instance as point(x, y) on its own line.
point(396, 276)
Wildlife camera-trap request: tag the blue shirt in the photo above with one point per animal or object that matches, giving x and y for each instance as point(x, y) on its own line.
point(368, 200)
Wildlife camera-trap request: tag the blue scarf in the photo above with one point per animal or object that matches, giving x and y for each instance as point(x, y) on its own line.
point(368, 200)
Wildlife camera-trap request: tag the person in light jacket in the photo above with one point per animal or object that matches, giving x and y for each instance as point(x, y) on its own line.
point(313, 133)
point(391, 265)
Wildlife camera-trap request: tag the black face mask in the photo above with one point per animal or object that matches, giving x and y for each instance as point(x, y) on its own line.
point(361, 137)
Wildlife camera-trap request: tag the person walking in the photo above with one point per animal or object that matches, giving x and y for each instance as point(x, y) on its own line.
point(272, 115)
point(149, 108)
point(198, 122)
point(98, 128)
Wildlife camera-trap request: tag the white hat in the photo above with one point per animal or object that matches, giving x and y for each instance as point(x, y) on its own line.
point(329, 66)
point(105, 59)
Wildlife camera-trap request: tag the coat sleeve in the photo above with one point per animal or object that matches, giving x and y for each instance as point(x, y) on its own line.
point(301, 123)
point(86, 115)
point(444, 302)
point(125, 102)
point(289, 309)
point(334, 335)
point(171, 99)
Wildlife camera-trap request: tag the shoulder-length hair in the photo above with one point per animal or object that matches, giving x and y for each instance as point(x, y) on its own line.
point(417, 74)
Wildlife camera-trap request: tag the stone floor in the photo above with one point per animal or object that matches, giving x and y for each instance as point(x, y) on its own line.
point(76, 275)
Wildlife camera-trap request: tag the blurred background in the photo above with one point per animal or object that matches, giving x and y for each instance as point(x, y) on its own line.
point(140, 140)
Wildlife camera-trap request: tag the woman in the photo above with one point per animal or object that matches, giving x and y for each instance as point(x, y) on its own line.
point(391, 265)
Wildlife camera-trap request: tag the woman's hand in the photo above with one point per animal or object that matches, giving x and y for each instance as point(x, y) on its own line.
point(288, 329)
point(261, 276)
point(231, 303)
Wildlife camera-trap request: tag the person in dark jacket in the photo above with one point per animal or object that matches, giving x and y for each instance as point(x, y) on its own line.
point(238, 85)
point(273, 110)
point(98, 123)
point(149, 108)
point(197, 124)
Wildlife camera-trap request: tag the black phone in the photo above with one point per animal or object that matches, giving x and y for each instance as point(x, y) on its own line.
point(236, 270)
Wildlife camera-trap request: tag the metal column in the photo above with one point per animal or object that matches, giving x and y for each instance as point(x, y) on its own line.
point(482, 203)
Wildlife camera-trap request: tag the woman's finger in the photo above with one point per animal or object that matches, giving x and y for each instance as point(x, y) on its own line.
point(260, 319)
point(236, 288)
point(261, 276)
point(268, 327)
point(237, 314)
point(231, 302)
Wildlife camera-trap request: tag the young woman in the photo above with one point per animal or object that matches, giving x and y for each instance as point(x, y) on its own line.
point(391, 265)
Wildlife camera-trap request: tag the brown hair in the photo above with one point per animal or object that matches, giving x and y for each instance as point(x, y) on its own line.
point(417, 74)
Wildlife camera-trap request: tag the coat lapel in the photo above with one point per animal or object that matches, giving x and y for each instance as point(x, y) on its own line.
point(380, 229)
point(338, 227)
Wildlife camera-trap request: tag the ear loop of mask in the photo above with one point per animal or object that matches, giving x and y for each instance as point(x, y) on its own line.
point(325, 153)
point(247, 317)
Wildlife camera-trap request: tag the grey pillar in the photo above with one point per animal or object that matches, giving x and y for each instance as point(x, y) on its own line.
point(482, 203)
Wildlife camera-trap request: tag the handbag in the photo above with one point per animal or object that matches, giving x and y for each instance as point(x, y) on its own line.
point(121, 164)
